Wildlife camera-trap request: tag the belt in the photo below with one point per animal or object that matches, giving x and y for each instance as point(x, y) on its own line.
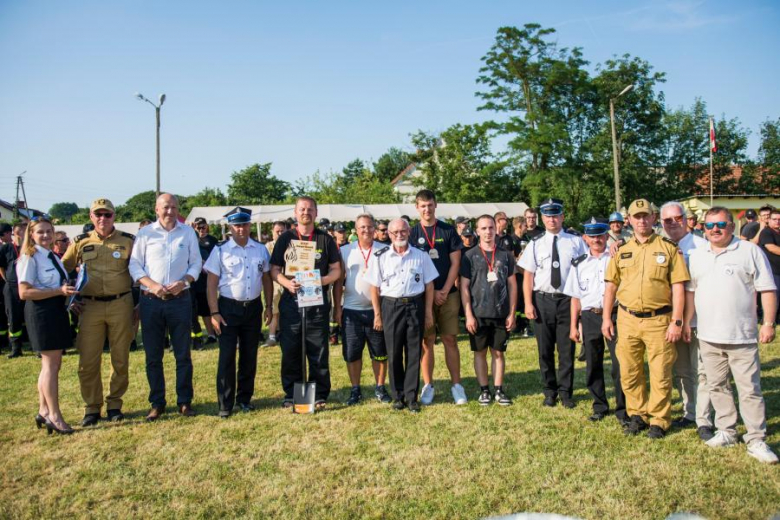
point(666, 309)
point(408, 299)
point(595, 311)
point(167, 296)
point(239, 303)
point(554, 296)
point(106, 298)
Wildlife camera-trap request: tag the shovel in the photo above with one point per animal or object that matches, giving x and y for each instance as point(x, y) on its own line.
point(303, 392)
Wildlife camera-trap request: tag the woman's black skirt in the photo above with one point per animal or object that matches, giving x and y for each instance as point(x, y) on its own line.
point(47, 324)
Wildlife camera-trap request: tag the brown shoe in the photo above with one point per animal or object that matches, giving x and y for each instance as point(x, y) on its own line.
point(154, 414)
point(186, 410)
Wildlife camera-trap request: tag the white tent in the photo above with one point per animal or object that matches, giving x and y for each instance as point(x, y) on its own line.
point(348, 212)
point(77, 229)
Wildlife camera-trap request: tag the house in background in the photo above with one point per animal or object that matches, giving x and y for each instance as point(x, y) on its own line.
point(736, 204)
point(404, 185)
point(7, 211)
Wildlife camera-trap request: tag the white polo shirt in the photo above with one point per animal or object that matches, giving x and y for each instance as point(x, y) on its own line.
point(586, 281)
point(725, 286)
point(537, 258)
point(240, 269)
point(401, 275)
point(357, 292)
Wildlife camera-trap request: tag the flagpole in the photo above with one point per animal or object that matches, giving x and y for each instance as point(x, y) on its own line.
point(712, 194)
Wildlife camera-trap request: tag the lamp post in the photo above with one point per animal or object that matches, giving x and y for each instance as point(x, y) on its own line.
point(157, 107)
point(614, 145)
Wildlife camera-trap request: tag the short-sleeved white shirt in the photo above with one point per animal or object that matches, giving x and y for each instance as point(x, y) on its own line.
point(38, 270)
point(537, 258)
point(586, 281)
point(357, 292)
point(725, 286)
point(401, 275)
point(240, 269)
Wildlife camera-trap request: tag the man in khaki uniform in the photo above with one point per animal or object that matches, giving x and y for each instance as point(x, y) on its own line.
point(106, 309)
point(647, 275)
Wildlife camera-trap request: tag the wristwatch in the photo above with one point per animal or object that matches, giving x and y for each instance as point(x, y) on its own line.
point(769, 324)
point(678, 323)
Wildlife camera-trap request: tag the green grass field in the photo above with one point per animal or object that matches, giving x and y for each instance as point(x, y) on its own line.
point(366, 461)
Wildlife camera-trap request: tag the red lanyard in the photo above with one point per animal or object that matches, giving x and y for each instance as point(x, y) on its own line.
point(431, 242)
point(302, 237)
point(492, 259)
point(365, 257)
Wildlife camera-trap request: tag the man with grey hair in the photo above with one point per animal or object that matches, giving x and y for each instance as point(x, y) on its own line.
point(688, 370)
point(166, 261)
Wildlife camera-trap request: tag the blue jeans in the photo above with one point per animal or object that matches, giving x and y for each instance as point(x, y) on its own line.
point(157, 318)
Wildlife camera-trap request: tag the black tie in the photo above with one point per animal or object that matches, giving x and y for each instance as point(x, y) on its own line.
point(555, 278)
point(63, 276)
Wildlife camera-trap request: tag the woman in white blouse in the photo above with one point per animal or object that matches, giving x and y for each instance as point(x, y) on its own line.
point(43, 284)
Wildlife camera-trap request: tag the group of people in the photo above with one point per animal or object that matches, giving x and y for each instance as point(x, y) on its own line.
point(688, 302)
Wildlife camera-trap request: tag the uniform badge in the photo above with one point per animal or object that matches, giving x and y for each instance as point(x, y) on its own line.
point(728, 270)
point(417, 278)
point(421, 240)
point(556, 264)
point(660, 259)
point(317, 256)
point(116, 254)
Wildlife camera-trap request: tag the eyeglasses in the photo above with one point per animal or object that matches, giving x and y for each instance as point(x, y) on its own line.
point(66, 240)
point(202, 227)
point(711, 225)
point(400, 232)
point(678, 219)
point(382, 230)
point(103, 215)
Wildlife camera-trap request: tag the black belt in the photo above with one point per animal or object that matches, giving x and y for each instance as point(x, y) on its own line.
point(554, 296)
point(167, 296)
point(409, 299)
point(598, 311)
point(106, 298)
point(666, 309)
point(239, 303)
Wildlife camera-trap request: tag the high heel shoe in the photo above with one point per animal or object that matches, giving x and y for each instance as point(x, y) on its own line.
point(40, 421)
point(50, 427)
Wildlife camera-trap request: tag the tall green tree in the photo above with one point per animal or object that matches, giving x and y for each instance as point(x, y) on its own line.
point(769, 157)
point(138, 207)
point(256, 185)
point(63, 210)
point(391, 163)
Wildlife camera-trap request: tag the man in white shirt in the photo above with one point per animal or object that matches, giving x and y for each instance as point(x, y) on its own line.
point(238, 273)
point(725, 277)
point(356, 316)
point(585, 284)
point(403, 278)
point(165, 261)
point(546, 262)
point(689, 376)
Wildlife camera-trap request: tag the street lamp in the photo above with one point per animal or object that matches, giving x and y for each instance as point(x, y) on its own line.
point(614, 145)
point(157, 107)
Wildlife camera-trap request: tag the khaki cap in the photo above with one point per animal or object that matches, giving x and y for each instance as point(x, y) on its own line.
point(102, 204)
point(640, 206)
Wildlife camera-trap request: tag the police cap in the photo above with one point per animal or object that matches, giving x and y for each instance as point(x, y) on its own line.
point(239, 215)
point(551, 207)
point(595, 226)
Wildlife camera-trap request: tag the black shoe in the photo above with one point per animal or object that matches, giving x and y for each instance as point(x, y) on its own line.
point(568, 402)
point(683, 422)
point(549, 401)
point(485, 398)
point(623, 420)
point(581, 357)
point(14, 354)
point(246, 407)
point(635, 425)
point(381, 395)
point(90, 419)
point(115, 415)
point(40, 421)
point(597, 416)
point(355, 396)
point(224, 414)
point(705, 433)
point(51, 428)
point(197, 344)
point(502, 399)
point(210, 340)
point(655, 432)
point(398, 405)
point(414, 407)
point(133, 346)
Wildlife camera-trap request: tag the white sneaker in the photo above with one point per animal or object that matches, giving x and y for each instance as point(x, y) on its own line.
point(722, 439)
point(459, 394)
point(426, 397)
point(760, 451)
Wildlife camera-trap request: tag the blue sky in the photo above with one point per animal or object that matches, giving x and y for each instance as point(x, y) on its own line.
point(312, 85)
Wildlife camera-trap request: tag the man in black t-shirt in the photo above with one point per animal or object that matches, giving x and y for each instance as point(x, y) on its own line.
point(505, 239)
point(328, 262)
point(769, 241)
point(200, 304)
point(14, 306)
point(489, 295)
point(751, 230)
point(441, 242)
point(533, 229)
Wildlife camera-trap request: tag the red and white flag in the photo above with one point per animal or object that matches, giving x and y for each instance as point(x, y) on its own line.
point(713, 144)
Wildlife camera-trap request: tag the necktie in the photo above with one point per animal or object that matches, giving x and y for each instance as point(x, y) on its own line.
point(555, 277)
point(63, 276)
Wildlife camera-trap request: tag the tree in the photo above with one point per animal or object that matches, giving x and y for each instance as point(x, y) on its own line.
point(334, 189)
point(64, 210)
point(138, 207)
point(204, 198)
point(391, 163)
point(769, 157)
point(353, 170)
point(255, 185)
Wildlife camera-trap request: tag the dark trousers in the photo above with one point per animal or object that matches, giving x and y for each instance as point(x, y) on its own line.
point(552, 328)
point(317, 353)
point(3, 321)
point(521, 322)
point(403, 323)
point(14, 311)
point(175, 316)
point(242, 332)
point(593, 342)
point(197, 331)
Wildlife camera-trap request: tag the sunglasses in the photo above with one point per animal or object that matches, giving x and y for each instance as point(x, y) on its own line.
point(104, 215)
point(720, 225)
point(382, 230)
point(66, 240)
point(678, 219)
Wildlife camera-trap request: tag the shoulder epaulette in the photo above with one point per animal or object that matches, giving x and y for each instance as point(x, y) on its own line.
point(670, 241)
point(220, 244)
point(579, 259)
point(128, 235)
point(381, 251)
point(540, 235)
point(80, 237)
